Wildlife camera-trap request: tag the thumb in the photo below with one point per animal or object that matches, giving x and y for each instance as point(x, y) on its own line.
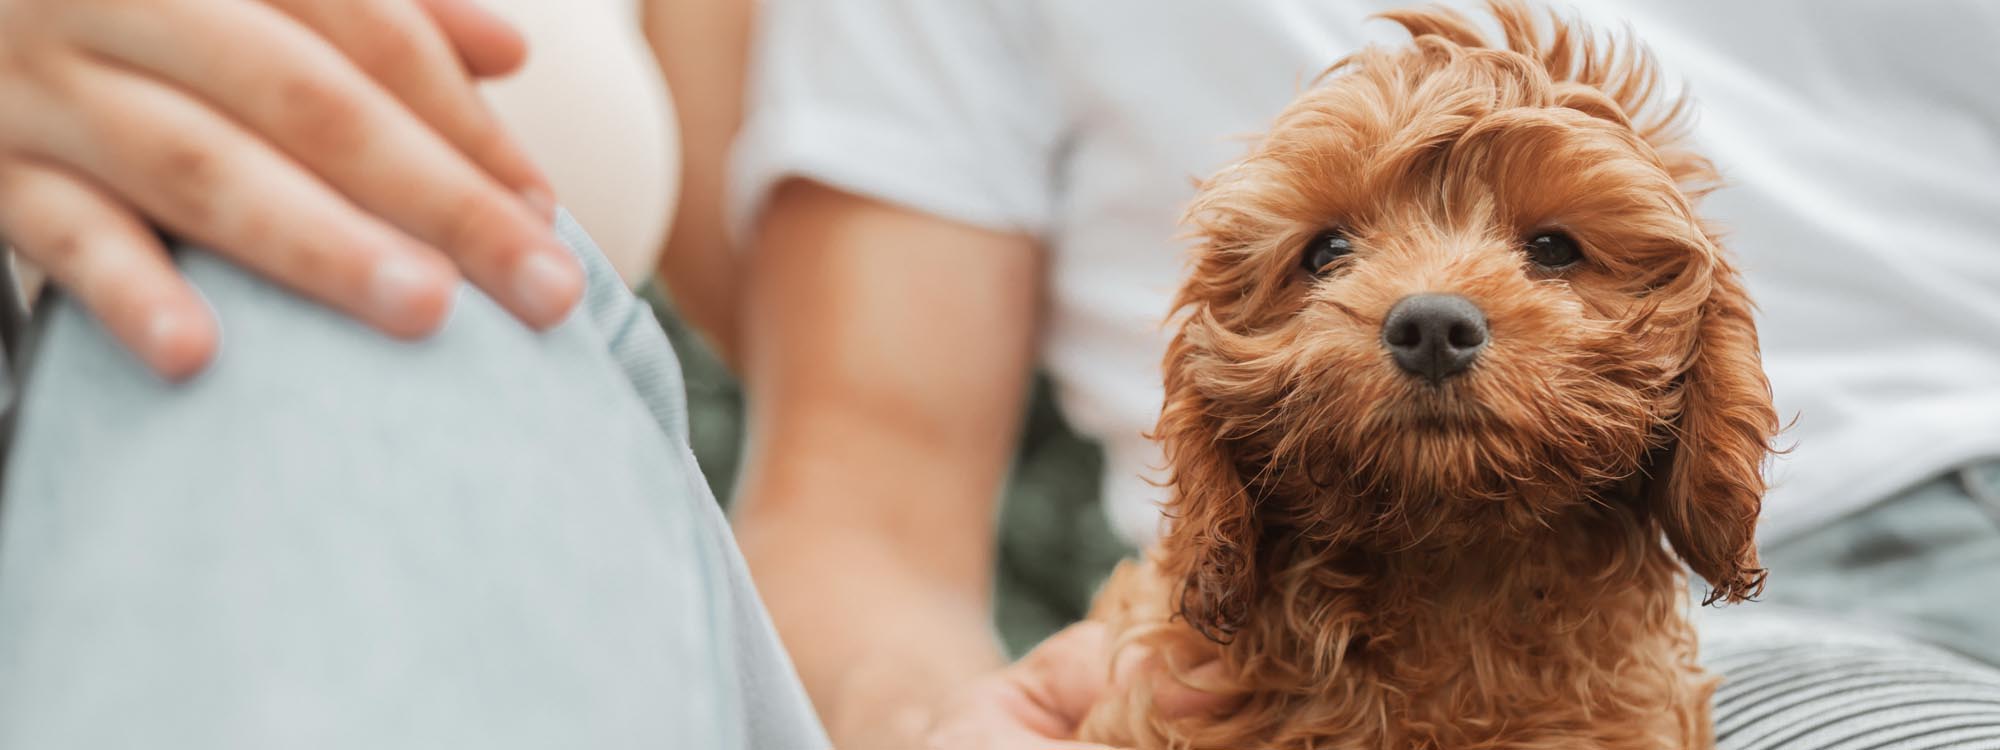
point(488, 45)
point(1071, 672)
point(1067, 674)
point(1177, 695)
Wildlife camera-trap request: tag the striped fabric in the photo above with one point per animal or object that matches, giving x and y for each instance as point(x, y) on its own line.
point(1791, 683)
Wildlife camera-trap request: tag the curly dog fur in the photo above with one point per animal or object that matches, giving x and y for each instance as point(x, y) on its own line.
point(1363, 559)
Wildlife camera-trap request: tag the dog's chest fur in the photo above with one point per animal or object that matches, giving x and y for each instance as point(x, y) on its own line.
point(1575, 640)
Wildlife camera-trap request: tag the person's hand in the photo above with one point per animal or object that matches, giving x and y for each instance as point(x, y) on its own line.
point(335, 146)
point(1038, 702)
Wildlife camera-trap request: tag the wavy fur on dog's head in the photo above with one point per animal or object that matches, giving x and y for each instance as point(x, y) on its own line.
point(1631, 377)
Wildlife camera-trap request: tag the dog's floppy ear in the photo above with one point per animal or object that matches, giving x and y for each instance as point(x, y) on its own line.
point(1211, 540)
point(1708, 486)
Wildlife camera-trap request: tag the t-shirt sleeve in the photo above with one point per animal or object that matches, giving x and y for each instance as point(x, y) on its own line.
point(935, 105)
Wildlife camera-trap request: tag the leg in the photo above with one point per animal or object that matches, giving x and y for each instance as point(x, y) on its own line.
point(493, 539)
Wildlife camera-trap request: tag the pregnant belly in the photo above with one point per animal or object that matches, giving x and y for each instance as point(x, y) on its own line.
point(593, 110)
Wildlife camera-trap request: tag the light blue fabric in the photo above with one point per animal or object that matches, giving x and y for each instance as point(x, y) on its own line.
point(493, 539)
point(1925, 564)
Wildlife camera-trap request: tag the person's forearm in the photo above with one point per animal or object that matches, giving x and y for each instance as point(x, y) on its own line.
point(887, 356)
point(876, 640)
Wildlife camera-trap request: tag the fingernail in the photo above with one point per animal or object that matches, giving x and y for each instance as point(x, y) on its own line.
point(173, 345)
point(541, 201)
point(402, 288)
point(546, 286)
point(163, 336)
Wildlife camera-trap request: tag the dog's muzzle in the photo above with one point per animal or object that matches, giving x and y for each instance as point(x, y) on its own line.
point(1435, 336)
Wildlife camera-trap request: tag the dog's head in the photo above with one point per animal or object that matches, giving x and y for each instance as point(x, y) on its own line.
point(1458, 288)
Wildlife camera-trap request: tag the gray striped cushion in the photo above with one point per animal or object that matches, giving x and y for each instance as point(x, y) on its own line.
point(1792, 683)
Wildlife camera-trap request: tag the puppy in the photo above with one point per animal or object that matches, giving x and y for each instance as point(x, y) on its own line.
point(1456, 353)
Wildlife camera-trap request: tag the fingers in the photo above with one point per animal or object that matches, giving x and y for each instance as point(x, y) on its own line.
point(1175, 696)
point(1067, 673)
point(1070, 675)
point(201, 177)
point(1030, 703)
point(400, 46)
point(316, 107)
point(116, 267)
point(487, 45)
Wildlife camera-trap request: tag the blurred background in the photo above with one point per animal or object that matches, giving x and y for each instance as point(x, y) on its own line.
point(915, 258)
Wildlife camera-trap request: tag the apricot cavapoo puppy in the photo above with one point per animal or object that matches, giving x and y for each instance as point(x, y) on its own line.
point(1457, 352)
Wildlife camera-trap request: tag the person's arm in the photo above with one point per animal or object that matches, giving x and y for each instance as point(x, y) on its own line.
point(702, 47)
point(887, 356)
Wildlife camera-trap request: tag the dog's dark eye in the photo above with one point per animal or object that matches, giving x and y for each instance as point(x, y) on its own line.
point(1325, 248)
point(1554, 250)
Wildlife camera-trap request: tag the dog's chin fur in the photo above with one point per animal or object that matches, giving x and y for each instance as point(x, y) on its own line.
point(1337, 441)
point(1374, 560)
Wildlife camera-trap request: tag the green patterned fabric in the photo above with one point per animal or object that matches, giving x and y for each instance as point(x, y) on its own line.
point(1055, 544)
point(714, 399)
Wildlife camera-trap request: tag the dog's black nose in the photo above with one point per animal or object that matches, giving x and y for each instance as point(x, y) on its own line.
point(1434, 336)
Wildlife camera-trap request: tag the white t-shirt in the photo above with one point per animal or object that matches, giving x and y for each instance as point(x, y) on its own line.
point(1861, 140)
